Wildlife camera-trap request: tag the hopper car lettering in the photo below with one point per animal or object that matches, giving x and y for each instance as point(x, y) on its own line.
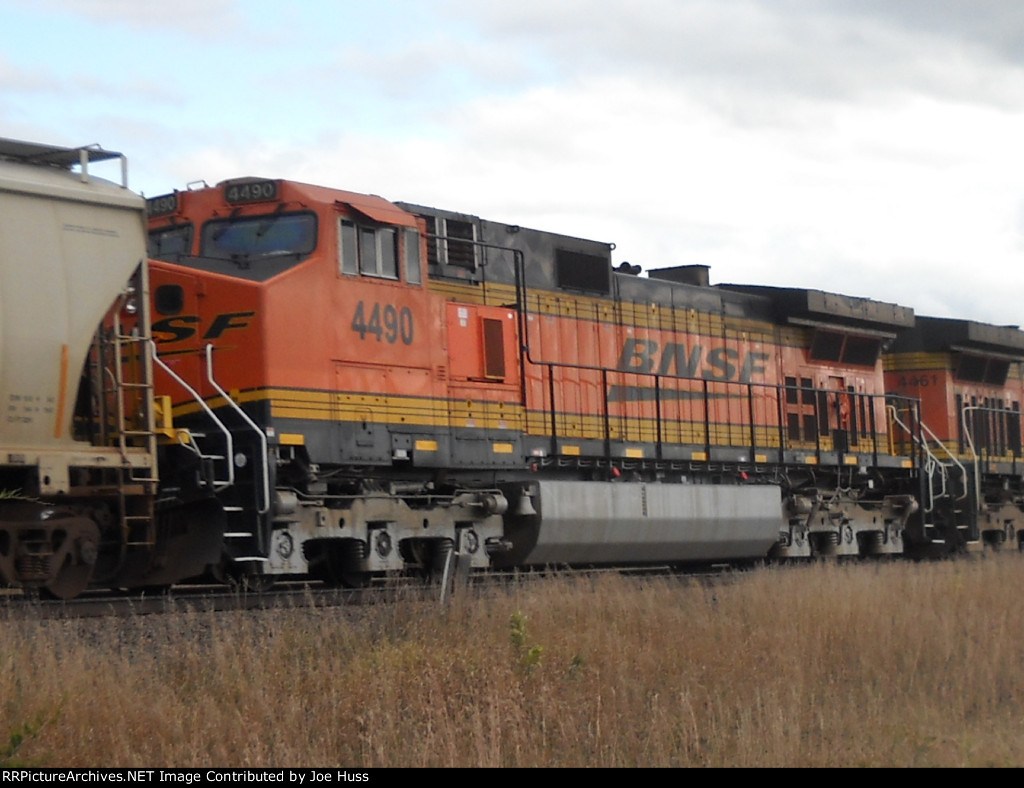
point(267, 379)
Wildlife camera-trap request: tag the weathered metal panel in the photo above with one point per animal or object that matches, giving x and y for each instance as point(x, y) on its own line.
point(66, 249)
point(605, 522)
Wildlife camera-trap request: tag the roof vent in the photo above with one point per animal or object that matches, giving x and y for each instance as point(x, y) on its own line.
point(698, 275)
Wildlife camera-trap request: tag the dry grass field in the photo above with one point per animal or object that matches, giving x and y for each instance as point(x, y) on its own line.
point(888, 664)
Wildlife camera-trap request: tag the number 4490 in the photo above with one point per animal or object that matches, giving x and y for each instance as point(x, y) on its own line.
point(386, 322)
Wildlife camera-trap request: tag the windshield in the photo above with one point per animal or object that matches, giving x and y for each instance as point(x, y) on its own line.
point(171, 243)
point(248, 238)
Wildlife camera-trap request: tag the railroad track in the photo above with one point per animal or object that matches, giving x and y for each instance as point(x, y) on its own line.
point(296, 595)
point(186, 598)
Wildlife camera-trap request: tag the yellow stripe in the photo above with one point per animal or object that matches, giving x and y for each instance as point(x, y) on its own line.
point(606, 310)
point(292, 439)
point(917, 362)
point(413, 411)
point(422, 445)
point(418, 412)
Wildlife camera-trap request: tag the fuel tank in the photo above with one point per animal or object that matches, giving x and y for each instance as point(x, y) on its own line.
point(594, 522)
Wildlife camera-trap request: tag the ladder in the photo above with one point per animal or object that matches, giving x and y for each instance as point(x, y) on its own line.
point(129, 425)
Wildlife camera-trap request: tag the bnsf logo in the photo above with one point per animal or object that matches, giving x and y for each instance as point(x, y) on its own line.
point(182, 327)
point(717, 363)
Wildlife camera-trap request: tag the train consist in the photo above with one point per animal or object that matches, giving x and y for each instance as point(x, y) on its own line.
point(329, 385)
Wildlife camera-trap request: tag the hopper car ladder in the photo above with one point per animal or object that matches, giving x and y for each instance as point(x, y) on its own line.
point(131, 430)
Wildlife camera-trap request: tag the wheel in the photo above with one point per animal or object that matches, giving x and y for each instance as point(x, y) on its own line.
point(246, 581)
point(71, 580)
point(339, 563)
point(60, 555)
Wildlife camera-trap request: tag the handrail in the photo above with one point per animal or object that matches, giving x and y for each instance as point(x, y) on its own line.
point(933, 459)
point(217, 485)
point(265, 506)
point(970, 444)
point(528, 355)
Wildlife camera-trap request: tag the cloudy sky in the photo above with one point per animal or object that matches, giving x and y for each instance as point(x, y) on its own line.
point(869, 147)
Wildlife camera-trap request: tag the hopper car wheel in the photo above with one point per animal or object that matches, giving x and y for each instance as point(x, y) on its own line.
point(59, 536)
point(70, 581)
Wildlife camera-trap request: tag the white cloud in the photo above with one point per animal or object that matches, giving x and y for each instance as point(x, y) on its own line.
point(821, 50)
point(857, 146)
point(875, 202)
point(195, 16)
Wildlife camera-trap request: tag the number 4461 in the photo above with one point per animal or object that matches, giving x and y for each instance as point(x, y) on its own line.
point(919, 381)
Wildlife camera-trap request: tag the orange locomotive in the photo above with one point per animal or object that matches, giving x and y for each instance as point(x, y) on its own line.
point(371, 387)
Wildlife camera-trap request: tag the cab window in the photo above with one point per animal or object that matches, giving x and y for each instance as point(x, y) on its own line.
point(412, 257)
point(370, 250)
point(170, 243)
